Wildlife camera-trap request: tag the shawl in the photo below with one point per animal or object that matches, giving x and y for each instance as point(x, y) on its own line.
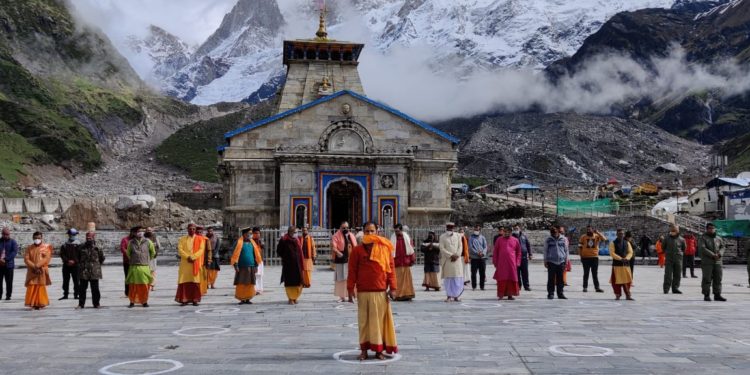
point(381, 251)
point(338, 242)
point(407, 244)
point(238, 250)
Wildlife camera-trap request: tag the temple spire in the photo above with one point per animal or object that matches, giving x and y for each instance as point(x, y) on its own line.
point(322, 34)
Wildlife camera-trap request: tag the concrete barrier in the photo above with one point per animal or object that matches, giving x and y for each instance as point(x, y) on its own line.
point(13, 205)
point(32, 205)
point(50, 205)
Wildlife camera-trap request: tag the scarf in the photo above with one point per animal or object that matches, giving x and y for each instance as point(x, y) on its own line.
point(339, 242)
point(381, 251)
point(407, 244)
point(621, 247)
point(198, 263)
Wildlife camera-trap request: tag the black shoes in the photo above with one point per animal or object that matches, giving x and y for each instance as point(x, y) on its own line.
point(145, 305)
point(527, 289)
point(585, 290)
point(676, 291)
point(561, 296)
point(706, 298)
point(62, 298)
point(599, 291)
point(719, 298)
point(130, 306)
point(549, 296)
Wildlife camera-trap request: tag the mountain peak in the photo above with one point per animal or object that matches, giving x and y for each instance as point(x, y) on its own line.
point(246, 15)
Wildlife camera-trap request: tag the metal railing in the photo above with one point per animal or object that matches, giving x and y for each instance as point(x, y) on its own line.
point(322, 237)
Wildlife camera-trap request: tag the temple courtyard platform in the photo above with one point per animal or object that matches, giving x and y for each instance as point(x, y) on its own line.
point(588, 333)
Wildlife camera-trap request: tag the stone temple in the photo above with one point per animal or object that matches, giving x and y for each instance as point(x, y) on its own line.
point(332, 154)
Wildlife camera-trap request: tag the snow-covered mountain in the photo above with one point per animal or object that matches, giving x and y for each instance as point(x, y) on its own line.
point(463, 36)
point(164, 52)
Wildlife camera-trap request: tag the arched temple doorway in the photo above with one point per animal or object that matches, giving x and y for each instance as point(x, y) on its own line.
point(344, 203)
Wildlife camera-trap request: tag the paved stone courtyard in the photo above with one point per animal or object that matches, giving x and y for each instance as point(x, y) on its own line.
point(589, 333)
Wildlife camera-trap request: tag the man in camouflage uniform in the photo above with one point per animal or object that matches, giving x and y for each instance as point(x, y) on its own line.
point(674, 248)
point(711, 249)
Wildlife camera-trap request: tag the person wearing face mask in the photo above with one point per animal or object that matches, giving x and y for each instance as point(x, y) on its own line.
point(673, 247)
point(310, 253)
point(68, 254)
point(711, 248)
point(213, 267)
point(478, 254)
point(588, 248)
point(8, 252)
point(555, 258)
point(140, 252)
point(431, 250)
point(342, 243)
point(526, 255)
point(37, 257)
point(191, 248)
point(506, 257)
point(90, 259)
point(124, 251)
point(207, 256)
point(259, 268)
point(451, 265)
point(290, 252)
point(372, 277)
point(245, 259)
point(404, 257)
point(621, 252)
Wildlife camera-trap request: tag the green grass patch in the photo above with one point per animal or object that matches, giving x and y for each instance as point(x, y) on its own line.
point(193, 148)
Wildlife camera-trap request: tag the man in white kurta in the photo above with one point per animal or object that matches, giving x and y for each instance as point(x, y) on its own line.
point(451, 265)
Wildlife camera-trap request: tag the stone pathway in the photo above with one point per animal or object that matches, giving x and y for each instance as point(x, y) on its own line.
point(589, 333)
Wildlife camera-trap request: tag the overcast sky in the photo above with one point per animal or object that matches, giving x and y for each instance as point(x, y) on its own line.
point(191, 20)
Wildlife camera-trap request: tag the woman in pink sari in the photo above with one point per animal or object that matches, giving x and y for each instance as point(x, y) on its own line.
point(506, 257)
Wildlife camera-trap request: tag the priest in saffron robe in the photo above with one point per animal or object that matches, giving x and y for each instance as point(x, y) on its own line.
point(190, 249)
point(506, 257)
point(207, 254)
point(290, 252)
point(37, 258)
point(372, 276)
point(213, 267)
point(621, 253)
point(310, 253)
point(404, 258)
point(245, 260)
point(140, 252)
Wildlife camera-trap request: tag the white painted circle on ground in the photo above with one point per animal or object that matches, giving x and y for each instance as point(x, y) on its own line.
point(530, 322)
point(230, 310)
point(349, 306)
point(744, 342)
point(593, 351)
point(175, 366)
point(389, 358)
point(599, 303)
point(215, 331)
point(674, 319)
point(480, 305)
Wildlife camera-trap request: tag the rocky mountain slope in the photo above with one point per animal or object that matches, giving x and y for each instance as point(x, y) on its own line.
point(709, 34)
point(71, 104)
point(460, 36)
point(575, 150)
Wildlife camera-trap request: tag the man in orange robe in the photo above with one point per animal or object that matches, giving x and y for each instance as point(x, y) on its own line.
point(372, 274)
point(310, 252)
point(191, 249)
point(37, 258)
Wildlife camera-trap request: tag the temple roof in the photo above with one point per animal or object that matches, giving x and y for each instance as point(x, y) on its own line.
point(325, 99)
